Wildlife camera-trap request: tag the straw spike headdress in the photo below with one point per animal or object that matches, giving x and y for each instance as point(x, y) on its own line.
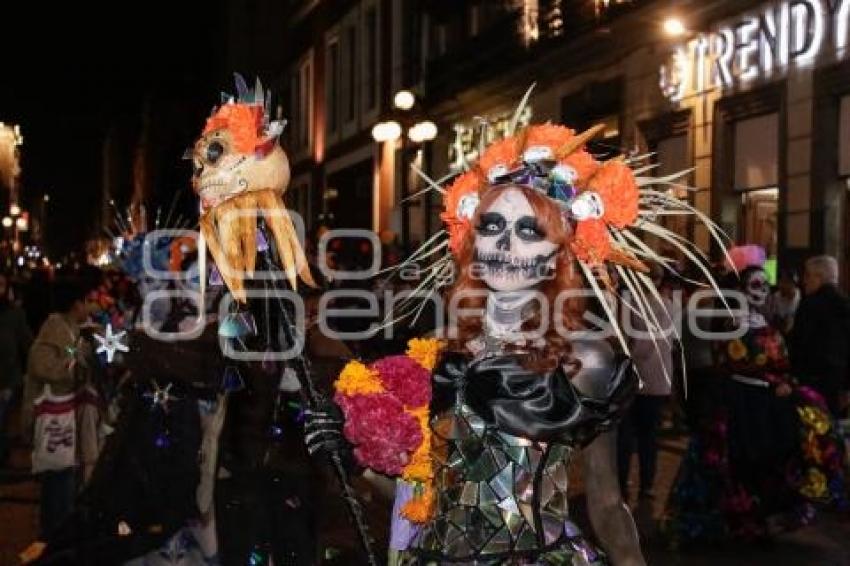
point(611, 206)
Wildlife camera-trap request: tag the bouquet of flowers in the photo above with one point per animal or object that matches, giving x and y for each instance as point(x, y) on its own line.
point(386, 418)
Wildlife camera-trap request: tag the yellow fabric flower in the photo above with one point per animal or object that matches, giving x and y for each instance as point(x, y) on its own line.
point(420, 468)
point(424, 351)
point(815, 485)
point(815, 419)
point(421, 507)
point(357, 379)
point(737, 350)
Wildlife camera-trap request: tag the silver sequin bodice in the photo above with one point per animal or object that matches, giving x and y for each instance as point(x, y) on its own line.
point(497, 493)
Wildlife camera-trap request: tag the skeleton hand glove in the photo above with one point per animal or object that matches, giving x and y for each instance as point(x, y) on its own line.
point(323, 429)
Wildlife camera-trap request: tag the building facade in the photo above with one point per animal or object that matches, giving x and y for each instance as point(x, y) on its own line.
point(340, 63)
point(753, 96)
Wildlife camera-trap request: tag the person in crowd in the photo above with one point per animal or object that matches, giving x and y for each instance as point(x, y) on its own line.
point(763, 449)
point(783, 303)
point(15, 340)
point(653, 361)
point(819, 338)
point(58, 358)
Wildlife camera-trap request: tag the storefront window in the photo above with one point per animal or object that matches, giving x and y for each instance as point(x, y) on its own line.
point(844, 142)
point(756, 179)
point(672, 156)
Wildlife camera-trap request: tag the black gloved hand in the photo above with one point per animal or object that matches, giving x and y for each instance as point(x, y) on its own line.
point(323, 428)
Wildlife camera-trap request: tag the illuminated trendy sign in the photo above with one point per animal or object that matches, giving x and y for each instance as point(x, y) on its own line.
point(482, 131)
point(759, 46)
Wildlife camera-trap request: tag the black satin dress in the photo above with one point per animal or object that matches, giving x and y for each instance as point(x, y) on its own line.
point(501, 443)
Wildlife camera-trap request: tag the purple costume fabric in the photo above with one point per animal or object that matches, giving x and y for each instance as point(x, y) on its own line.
point(402, 531)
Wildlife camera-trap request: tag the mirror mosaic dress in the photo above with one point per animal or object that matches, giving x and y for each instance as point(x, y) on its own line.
point(503, 437)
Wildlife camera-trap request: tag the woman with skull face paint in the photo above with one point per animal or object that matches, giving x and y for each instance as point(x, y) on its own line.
point(519, 389)
point(766, 451)
point(480, 428)
point(515, 272)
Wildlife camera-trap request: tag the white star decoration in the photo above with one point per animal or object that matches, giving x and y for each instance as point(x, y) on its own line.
point(160, 396)
point(111, 343)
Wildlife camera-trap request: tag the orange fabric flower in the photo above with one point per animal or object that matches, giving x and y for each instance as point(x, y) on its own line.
point(591, 243)
point(502, 152)
point(584, 164)
point(616, 184)
point(175, 259)
point(549, 135)
point(357, 379)
point(424, 351)
point(243, 121)
point(421, 507)
point(420, 467)
point(467, 184)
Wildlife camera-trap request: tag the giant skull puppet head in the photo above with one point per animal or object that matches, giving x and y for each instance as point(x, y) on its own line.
point(512, 247)
point(240, 170)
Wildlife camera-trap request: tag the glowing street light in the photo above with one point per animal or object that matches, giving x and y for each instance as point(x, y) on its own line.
point(7, 222)
point(422, 132)
point(22, 224)
point(404, 100)
point(674, 27)
point(386, 131)
point(15, 210)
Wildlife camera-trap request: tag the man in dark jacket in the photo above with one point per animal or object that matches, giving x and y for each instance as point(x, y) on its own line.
point(821, 333)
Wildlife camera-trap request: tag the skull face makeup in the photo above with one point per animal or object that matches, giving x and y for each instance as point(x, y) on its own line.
point(510, 246)
point(756, 288)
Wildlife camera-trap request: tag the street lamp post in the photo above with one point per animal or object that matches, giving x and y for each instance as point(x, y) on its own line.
point(405, 124)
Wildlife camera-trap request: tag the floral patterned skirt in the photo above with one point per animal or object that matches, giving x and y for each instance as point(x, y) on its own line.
point(754, 466)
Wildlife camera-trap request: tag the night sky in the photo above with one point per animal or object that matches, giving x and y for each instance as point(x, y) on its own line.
point(74, 72)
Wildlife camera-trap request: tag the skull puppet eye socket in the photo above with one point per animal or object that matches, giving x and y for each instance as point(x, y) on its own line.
point(214, 151)
point(528, 230)
point(491, 224)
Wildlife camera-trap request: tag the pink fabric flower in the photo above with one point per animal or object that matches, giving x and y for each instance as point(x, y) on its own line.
point(384, 436)
point(406, 379)
point(811, 396)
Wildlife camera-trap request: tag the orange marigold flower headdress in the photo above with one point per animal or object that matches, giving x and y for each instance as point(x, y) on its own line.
point(243, 121)
point(611, 207)
point(552, 159)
